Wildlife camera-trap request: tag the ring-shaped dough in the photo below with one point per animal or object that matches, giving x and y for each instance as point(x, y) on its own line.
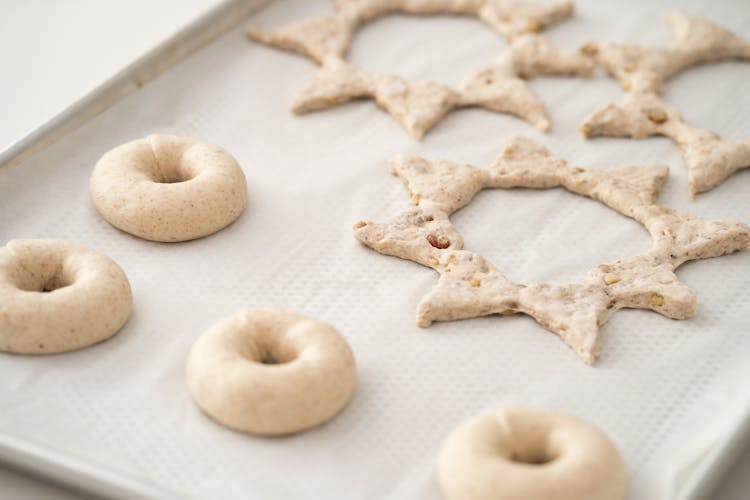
point(530, 454)
point(271, 372)
point(57, 296)
point(168, 188)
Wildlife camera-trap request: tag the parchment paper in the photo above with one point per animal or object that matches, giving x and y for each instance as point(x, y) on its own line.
point(666, 391)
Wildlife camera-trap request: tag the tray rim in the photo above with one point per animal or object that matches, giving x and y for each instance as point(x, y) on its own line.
point(71, 472)
point(91, 478)
point(188, 40)
point(35, 458)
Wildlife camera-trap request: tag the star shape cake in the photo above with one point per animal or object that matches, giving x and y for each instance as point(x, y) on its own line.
point(469, 286)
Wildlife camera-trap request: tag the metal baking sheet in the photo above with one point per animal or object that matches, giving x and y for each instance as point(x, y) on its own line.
point(118, 416)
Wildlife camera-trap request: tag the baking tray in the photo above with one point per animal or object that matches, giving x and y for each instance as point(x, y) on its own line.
point(186, 41)
point(116, 419)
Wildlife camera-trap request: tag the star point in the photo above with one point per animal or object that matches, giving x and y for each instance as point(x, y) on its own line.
point(709, 159)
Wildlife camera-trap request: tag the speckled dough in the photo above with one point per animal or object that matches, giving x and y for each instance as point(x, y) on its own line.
point(56, 296)
point(418, 106)
point(271, 371)
point(643, 69)
point(168, 188)
point(709, 158)
point(470, 286)
point(530, 454)
point(642, 72)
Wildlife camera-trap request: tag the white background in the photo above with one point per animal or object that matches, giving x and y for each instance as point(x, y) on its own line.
point(54, 52)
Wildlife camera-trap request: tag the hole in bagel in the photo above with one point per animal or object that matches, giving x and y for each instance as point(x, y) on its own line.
point(51, 288)
point(532, 457)
point(267, 358)
point(44, 282)
point(170, 174)
point(169, 169)
point(272, 353)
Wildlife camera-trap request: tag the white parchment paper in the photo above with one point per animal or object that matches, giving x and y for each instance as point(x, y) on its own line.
point(666, 391)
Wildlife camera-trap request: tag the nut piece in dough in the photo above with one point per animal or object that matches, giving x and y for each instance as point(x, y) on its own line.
point(642, 72)
point(168, 188)
point(271, 372)
point(530, 454)
point(708, 158)
point(418, 106)
point(57, 296)
point(469, 286)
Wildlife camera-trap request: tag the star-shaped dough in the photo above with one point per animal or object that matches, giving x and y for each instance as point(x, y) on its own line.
point(470, 286)
point(709, 158)
point(418, 106)
point(642, 72)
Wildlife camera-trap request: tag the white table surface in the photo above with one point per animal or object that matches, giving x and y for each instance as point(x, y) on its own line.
point(53, 53)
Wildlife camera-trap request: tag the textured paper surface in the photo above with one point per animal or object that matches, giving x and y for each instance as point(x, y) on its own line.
point(666, 391)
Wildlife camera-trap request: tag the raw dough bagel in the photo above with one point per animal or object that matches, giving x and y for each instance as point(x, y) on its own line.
point(271, 371)
point(168, 188)
point(56, 296)
point(530, 454)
